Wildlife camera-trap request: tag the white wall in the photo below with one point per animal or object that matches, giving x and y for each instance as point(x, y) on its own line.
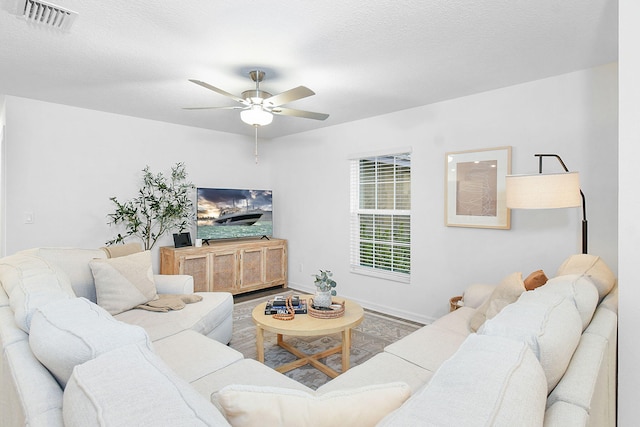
point(573, 115)
point(64, 163)
point(629, 245)
point(3, 204)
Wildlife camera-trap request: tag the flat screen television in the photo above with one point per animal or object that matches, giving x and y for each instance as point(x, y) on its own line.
point(225, 213)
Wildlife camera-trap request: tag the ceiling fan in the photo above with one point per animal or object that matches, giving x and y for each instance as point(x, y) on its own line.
point(259, 106)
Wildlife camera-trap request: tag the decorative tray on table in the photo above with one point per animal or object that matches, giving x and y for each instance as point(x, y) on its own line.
point(333, 312)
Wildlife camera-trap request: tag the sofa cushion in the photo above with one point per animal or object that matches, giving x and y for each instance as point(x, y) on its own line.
point(245, 371)
point(562, 414)
point(29, 394)
point(132, 386)
point(70, 332)
point(31, 282)
point(535, 280)
point(253, 406)
point(489, 381)
point(380, 369)
point(215, 309)
point(548, 323)
point(427, 347)
point(123, 282)
point(584, 379)
point(192, 355)
point(504, 294)
point(75, 263)
point(593, 266)
point(579, 289)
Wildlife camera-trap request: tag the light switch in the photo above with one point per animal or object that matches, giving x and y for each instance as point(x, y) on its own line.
point(29, 217)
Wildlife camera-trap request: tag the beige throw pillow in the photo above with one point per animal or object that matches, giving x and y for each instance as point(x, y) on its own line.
point(246, 405)
point(116, 251)
point(504, 294)
point(592, 266)
point(123, 282)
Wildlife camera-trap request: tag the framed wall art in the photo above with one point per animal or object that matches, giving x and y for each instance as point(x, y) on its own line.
point(475, 188)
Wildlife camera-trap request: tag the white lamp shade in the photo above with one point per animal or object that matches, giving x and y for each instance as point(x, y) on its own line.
point(543, 191)
point(256, 116)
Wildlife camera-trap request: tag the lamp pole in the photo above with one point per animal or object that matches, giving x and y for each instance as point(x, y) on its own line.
point(584, 202)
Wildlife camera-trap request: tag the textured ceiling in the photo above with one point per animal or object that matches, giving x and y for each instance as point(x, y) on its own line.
point(361, 58)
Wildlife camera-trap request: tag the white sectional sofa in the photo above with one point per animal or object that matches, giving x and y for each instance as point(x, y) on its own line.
point(543, 357)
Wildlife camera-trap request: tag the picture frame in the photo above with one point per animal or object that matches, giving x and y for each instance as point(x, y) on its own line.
point(475, 183)
point(181, 240)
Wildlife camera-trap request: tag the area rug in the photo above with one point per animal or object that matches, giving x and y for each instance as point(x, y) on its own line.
point(369, 338)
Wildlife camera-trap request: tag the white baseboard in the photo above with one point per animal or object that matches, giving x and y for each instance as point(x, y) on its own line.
point(390, 311)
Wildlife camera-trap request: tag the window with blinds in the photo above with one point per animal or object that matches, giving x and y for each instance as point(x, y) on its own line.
point(381, 216)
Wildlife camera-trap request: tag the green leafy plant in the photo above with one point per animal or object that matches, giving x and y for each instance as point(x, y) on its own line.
point(163, 205)
point(324, 282)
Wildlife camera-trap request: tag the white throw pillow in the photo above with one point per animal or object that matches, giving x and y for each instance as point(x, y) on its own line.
point(548, 323)
point(578, 288)
point(131, 386)
point(70, 332)
point(254, 406)
point(489, 381)
point(504, 294)
point(31, 282)
point(593, 266)
point(124, 282)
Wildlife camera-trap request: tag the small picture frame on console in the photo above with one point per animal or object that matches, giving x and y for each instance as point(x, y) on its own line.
point(181, 240)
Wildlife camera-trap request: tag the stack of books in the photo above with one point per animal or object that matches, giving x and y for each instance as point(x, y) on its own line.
point(279, 305)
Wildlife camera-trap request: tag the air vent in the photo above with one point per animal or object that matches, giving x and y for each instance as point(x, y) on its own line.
point(48, 14)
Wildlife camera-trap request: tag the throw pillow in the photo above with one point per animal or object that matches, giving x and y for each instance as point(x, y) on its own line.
point(123, 282)
point(592, 266)
point(578, 288)
point(116, 251)
point(504, 294)
point(31, 282)
point(70, 332)
point(248, 406)
point(549, 323)
point(131, 386)
point(489, 381)
point(535, 280)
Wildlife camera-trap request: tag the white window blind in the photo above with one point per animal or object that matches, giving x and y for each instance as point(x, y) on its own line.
point(381, 216)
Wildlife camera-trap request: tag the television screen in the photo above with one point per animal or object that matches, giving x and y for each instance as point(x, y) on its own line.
point(225, 213)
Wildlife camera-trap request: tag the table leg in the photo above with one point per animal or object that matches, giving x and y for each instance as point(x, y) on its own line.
point(260, 343)
point(346, 349)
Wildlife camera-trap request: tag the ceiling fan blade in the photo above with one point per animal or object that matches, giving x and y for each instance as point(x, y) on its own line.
point(299, 113)
point(218, 90)
point(214, 108)
point(288, 96)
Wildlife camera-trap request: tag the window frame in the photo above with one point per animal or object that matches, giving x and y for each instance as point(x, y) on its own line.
point(392, 272)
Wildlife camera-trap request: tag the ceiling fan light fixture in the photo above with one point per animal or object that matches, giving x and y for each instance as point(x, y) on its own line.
point(256, 116)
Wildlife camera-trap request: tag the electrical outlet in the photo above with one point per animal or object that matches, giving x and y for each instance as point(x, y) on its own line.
point(301, 268)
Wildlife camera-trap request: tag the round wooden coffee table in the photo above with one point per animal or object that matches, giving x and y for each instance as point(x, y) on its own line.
point(304, 325)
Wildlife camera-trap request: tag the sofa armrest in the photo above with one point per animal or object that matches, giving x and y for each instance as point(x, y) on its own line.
point(476, 294)
point(176, 284)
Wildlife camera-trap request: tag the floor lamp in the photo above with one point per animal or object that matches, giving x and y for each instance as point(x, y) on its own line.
point(547, 191)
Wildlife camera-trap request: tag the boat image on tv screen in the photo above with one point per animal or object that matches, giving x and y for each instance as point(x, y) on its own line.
point(225, 213)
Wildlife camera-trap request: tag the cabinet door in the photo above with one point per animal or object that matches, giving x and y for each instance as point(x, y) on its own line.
point(196, 266)
point(224, 271)
point(276, 265)
point(251, 267)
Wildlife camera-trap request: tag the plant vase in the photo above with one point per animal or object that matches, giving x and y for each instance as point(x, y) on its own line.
point(322, 298)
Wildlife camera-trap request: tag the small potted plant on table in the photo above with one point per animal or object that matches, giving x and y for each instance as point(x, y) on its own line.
point(325, 288)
